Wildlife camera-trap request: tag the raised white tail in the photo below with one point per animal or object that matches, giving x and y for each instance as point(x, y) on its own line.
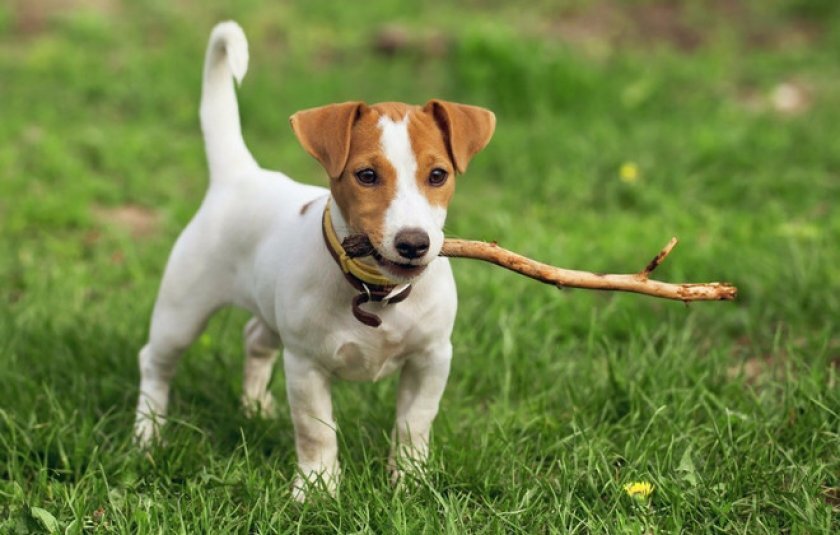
point(226, 60)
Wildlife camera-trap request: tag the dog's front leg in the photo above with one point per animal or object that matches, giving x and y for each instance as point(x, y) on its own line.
point(422, 381)
point(308, 389)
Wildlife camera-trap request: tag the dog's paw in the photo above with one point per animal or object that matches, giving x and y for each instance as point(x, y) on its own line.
point(316, 483)
point(406, 482)
point(405, 471)
point(396, 477)
point(146, 432)
point(299, 489)
point(261, 407)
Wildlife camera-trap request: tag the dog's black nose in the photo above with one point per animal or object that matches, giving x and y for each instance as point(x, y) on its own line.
point(411, 243)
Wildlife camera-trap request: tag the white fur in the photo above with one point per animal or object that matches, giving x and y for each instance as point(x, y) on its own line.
point(226, 59)
point(250, 246)
point(409, 209)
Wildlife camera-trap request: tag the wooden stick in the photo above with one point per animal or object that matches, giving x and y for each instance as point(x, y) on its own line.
point(559, 277)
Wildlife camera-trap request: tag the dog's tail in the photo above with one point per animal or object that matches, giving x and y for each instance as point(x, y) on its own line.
point(226, 60)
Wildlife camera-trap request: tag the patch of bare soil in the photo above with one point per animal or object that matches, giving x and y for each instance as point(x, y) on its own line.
point(392, 39)
point(788, 98)
point(756, 369)
point(831, 495)
point(616, 24)
point(755, 365)
point(139, 221)
point(32, 16)
point(680, 25)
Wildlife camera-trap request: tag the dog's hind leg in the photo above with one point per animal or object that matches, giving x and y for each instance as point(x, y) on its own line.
point(261, 345)
point(174, 327)
point(190, 292)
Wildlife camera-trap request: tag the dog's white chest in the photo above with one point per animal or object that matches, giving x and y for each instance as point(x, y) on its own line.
point(371, 356)
point(314, 316)
point(354, 362)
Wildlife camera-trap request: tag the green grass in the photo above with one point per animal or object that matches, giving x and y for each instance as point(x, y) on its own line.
point(556, 400)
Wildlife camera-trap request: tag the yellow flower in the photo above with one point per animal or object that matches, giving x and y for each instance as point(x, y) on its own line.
point(638, 489)
point(629, 172)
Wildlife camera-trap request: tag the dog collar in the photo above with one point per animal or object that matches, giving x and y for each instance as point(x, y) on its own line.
point(369, 281)
point(364, 272)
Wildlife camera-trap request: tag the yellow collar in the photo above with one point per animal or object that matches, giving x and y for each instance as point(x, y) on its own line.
point(364, 272)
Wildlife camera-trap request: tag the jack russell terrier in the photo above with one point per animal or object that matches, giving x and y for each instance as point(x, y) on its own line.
point(262, 242)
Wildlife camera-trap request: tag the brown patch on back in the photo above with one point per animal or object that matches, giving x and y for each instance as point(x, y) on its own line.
point(306, 206)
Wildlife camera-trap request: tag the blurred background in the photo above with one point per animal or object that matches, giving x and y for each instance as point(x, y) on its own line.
point(620, 124)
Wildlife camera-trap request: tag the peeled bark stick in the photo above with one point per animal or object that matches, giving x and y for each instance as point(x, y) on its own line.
point(636, 282)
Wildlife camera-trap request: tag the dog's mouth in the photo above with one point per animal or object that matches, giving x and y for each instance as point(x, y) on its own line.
point(359, 245)
point(402, 271)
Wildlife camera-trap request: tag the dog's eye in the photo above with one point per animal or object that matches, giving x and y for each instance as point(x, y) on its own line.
point(366, 176)
point(438, 176)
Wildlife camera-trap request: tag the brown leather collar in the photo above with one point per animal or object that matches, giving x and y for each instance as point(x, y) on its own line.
point(368, 292)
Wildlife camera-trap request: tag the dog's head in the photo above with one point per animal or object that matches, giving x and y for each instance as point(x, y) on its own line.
point(392, 170)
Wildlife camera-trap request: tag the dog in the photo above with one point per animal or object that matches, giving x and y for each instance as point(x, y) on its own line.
point(276, 248)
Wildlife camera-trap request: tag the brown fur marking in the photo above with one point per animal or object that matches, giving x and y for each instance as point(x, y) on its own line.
point(306, 206)
point(363, 207)
point(448, 145)
point(430, 152)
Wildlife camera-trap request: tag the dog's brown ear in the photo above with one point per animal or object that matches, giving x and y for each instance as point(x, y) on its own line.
point(325, 133)
point(466, 129)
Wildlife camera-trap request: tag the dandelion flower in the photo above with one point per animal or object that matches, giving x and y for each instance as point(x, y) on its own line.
point(629, 172)
point(638, 489)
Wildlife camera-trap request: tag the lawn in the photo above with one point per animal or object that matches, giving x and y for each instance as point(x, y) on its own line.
point(620, 124)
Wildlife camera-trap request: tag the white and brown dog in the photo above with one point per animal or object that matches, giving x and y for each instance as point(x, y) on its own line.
point(262, 242)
